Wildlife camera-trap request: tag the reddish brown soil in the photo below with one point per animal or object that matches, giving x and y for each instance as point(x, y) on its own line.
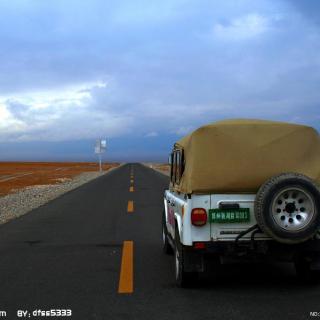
point(162, 167)
point(40, 173)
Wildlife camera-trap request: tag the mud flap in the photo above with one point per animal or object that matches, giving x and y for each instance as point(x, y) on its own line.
point(194, 261)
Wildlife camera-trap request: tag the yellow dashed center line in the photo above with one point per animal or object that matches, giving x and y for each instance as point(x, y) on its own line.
point(131, 189)
point(126, 272)
point(130, 206)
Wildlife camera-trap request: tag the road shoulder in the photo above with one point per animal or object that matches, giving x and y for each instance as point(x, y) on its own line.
point(27, 199)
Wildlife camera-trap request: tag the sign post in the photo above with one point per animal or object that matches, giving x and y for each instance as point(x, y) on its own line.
point(100, 147)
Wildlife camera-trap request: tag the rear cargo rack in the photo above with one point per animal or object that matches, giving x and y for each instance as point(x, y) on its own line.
point(255, 228)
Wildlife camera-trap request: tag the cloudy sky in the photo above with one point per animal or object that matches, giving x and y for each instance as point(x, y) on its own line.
point(144, 73)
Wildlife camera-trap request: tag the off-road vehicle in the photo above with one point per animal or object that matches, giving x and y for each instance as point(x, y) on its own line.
point(244, 189)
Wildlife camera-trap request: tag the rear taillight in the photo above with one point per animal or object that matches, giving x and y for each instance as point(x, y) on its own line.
point(199, 245)
point(199, 217)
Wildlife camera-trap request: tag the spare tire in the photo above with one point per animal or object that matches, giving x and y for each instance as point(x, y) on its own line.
point(287, 208)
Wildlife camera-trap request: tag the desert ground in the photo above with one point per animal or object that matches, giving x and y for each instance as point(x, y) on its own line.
point(161, 167)
point(18, 175)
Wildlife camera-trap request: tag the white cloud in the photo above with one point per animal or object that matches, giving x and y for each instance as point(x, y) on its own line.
point(60, 114)
point(70, 94)
point(166, 75)
point(184, 130)
point(241, 28)
point(142, 12)
point(152, 134)
point(8, 124)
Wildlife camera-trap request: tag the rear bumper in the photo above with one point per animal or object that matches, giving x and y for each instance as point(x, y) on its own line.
point(254, 241)
point(264, 250)
point(260, 246)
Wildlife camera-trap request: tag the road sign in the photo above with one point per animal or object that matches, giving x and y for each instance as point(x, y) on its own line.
point(100, 147)
point(103, 144)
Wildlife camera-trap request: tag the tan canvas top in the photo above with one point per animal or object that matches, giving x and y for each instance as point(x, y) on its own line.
point(239, 155)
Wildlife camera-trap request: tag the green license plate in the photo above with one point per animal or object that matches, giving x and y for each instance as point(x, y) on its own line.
point(229, 215)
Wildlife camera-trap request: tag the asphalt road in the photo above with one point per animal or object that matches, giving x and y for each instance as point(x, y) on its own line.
point(68, 255)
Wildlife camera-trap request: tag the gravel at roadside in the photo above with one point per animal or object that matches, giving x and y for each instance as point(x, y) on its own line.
point(166, 173)
point(19, 203)
point(156, 168)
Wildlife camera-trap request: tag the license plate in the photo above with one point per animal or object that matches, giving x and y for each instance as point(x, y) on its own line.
point(229, 215)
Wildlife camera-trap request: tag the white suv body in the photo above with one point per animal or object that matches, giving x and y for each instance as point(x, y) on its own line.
point(178, 208)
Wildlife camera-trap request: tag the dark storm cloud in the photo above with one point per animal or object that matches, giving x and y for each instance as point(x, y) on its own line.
point(310, 9)
point(148, 69)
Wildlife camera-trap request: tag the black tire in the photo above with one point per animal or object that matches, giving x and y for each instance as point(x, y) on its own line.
point(183, 279)
point(166, 247)
point(288, 223)
point(305, 273)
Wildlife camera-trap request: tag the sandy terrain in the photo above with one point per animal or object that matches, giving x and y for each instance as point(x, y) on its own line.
point(161, 167)
point(18, 175)
point(165, 168)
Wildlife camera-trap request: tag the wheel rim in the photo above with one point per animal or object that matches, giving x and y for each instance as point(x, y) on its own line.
point(293, 209)
point(177, 262)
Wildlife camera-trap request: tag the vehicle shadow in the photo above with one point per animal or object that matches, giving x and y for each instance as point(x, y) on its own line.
point(266, 275)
